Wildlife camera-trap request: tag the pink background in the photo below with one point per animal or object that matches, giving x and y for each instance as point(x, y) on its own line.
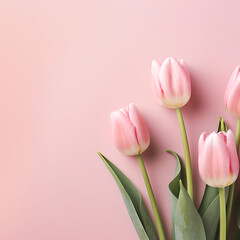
point(64, 66)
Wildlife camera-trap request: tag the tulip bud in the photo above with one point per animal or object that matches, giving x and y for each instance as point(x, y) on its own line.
point(232, 93)
point(130, 133)
point(217, 160)
point(171, 82)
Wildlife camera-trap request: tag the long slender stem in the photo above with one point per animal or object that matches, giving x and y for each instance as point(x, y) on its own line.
point(186, 153)
point(152, 199)
point(232, 187)
point(222, 214)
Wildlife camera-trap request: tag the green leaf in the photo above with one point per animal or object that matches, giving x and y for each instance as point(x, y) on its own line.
point(209, 195)
point(174, 187)
point(222, 125)
point(209, 210)
point(187, 222)
point(136, 208)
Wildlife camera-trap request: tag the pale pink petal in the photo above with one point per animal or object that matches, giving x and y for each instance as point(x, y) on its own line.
point(156, 86)
point(214, 160)
point(204, 158)
point(220, 157)
point(232, 98)
point(124, 133)
point(234, 167)
point(175, 82)
point(218, 161)
point(202, 139)
point(231, 83)
point(142, 132)
point(184, 64)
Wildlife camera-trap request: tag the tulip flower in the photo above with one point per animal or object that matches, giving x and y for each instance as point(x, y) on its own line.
point(171, 82)
point(218, 166)
point(131, 137)
point(232, 99)
point(172, 89)
point(130, 132)
point(232, 93)
point(218, 160)
point(232, 104)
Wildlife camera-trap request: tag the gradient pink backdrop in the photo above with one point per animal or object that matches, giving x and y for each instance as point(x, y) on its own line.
point(64, 66)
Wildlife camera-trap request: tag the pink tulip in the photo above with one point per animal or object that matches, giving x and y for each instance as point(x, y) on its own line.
point(130, 133)
point(232, 93)
point(171, 82)
point(218, 161)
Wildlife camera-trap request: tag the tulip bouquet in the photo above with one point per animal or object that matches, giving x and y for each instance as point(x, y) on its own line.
point(217, 160)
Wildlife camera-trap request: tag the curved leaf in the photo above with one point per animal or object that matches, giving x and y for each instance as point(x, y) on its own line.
point(134, 203)
point(187, 222)
point(209, 195)
point(209, 211)
point(174, 187)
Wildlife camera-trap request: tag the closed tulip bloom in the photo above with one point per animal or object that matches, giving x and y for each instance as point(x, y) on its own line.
point(218, 160)
point(232, 93)
point(171, 82)
point(130, 132)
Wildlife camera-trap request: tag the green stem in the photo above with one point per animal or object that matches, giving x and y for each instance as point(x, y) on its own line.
point(186, 153)
point(232, 187)
point(152, 198)
point(229, 205)
point(222, 214)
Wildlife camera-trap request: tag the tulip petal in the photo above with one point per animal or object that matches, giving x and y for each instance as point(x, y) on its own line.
point(231, 83)
point(175, 82)
point(234, 163)
point(214, 161)
point(232, 97)
point(156, 86)
point(124, 133)
point(142, 132)
point(218, 161)
point(220, 158)
point(202, 139)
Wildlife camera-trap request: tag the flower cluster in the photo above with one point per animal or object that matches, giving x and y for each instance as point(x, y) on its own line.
point(217, 151)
